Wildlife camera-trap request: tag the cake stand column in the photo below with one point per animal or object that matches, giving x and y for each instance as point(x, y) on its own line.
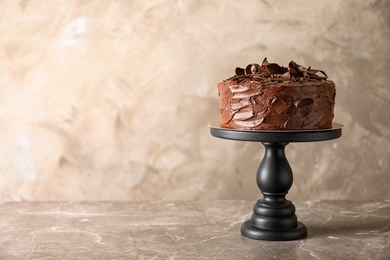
point(273, 216)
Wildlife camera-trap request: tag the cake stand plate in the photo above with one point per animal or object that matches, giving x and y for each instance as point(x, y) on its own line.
point(273, 216)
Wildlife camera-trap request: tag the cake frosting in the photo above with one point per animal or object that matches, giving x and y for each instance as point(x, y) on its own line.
point(272, 97)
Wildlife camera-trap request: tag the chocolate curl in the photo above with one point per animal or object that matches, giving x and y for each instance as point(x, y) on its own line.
point(297, 70)
point(252, 69)
point(294, 69)
point(240, 71)
point(273, 68)
point(313, 74)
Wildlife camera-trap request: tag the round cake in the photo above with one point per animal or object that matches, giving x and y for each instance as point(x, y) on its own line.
point(272, 97)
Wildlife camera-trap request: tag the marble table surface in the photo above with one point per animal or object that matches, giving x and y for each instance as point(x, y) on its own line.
point(187, 230)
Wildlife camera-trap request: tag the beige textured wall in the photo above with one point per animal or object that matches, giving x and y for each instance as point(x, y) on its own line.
point(110, 100)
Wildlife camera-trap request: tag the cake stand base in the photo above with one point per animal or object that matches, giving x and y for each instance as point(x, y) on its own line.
point(274, 216)
point(273, 234)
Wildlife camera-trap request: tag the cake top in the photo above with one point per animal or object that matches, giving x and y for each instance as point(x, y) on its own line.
point(272, 72)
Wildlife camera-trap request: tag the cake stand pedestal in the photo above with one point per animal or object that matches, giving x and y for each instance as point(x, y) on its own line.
point(273, 216)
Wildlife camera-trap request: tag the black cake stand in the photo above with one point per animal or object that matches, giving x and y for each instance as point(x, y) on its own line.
point(273, 216)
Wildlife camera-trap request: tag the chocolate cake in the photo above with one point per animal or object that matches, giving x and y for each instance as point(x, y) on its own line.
point(272, 97)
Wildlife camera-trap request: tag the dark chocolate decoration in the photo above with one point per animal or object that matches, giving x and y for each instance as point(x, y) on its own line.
point(274, 68)
point(240, 71)
point(294, 69)
point(252, 69)
point(271, 72)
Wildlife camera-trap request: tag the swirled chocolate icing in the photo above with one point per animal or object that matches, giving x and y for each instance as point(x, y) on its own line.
point(272, 97)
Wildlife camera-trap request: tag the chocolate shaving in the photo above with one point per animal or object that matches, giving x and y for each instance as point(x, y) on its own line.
point(294, 69)
point(314, 72)
point(274, 68)
point(252, 69)
point(240, 71)
point(272, 72)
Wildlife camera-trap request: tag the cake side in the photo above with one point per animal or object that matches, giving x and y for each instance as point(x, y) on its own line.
point(271, 97)
point(277, 106)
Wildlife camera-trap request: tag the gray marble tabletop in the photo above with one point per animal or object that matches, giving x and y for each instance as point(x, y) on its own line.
point(187, 230)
